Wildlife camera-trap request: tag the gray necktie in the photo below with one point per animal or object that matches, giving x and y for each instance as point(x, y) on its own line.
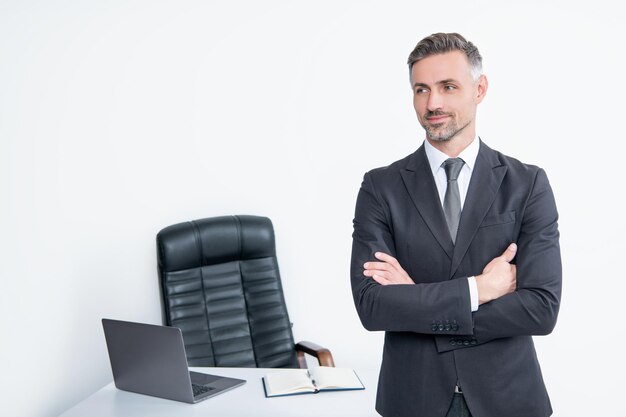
point(452, 200)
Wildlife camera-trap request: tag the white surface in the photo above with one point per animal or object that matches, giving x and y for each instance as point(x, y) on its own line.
point(245, 401)
point(120, 117)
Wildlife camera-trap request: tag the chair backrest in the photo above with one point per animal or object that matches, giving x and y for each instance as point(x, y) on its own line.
point(221, 286)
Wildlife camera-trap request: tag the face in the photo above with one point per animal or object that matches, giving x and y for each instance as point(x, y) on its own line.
point(445, 96)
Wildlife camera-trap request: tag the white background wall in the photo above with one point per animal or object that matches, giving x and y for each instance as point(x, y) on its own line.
point(118, 118)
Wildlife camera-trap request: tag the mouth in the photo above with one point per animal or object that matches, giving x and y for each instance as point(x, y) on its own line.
point(437, 119)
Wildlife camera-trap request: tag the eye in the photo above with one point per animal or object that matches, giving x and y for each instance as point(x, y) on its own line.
point(421, 90)
point(449, 87)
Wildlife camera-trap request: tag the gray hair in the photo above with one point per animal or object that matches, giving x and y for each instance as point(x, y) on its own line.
point(440, 43)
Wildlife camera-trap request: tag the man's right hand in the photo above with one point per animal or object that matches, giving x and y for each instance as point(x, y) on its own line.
point(498, 277)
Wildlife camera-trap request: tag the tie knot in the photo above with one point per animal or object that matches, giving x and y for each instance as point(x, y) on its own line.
point(453, 167)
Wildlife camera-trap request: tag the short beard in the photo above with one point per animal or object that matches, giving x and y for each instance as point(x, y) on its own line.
point(447, 134)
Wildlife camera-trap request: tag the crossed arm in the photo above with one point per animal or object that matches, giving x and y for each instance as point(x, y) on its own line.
point(498, 277)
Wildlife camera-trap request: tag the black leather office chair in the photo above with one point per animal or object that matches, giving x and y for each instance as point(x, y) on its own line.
point(221, 286)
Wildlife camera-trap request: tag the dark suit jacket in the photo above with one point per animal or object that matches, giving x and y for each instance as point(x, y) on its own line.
point(432, 338)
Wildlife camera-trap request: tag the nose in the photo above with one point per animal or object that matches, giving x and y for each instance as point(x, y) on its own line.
point(435, 101)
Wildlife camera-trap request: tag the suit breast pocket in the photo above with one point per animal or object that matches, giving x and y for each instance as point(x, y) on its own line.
point(496, 231)
point(498, 219)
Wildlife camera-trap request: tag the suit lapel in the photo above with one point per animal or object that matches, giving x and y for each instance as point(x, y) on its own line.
point(420, 184)
point(483, 188)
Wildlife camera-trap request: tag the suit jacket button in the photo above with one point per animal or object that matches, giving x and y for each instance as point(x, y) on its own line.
point(466, 343)
point(473, 341)
point(448, 327)
point(455, 327)
point(441, 327)
point(434, 327)
point(452, 342)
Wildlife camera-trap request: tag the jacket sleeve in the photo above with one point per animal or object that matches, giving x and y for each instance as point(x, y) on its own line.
point(533, 307)
point(431, 308)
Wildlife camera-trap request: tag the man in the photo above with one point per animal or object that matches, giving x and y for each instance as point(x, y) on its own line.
point(456, 257)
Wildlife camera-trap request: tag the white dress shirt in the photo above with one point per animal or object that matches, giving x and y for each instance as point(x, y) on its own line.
point(435, 159)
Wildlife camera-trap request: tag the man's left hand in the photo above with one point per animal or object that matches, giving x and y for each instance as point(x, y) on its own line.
point(387, 272)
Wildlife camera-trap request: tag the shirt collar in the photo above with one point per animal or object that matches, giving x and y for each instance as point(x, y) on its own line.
point(436, 157)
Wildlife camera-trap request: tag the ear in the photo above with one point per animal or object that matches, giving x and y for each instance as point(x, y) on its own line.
point(481, 88)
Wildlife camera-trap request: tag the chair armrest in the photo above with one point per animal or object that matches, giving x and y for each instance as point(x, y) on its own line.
point(323, 355)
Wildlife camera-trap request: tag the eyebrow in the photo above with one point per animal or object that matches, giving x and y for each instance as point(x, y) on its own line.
point(446, 81)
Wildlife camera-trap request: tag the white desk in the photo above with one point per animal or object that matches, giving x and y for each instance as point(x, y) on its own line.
point(245, 401)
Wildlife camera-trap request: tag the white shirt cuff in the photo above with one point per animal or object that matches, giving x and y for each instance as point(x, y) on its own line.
point(473, 289)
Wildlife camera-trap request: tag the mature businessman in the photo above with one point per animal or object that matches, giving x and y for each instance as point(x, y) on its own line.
point(456, 257)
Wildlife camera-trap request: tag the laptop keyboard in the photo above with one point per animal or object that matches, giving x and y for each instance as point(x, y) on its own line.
point(200, 389)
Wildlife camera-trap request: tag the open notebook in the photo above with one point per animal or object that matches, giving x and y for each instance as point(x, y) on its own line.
point(310, 381)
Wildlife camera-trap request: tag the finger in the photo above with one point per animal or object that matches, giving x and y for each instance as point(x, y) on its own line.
point(382, 266)
point(388, 258)
point(372, 272)
point(510, 252)
point(380, 279)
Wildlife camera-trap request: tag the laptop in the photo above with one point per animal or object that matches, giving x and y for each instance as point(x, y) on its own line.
point(150, 359)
